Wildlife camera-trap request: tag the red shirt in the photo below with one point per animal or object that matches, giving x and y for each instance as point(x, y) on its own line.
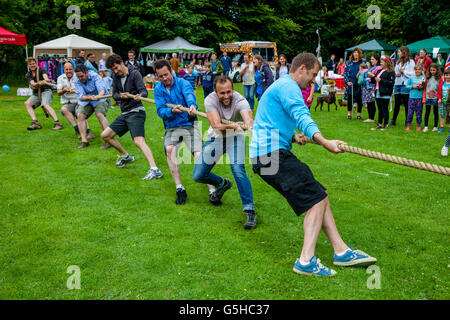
point(426, 63)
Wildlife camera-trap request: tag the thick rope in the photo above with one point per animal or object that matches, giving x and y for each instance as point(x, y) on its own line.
point(366, 153)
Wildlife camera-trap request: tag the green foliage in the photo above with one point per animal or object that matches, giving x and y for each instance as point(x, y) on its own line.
point(126, 24)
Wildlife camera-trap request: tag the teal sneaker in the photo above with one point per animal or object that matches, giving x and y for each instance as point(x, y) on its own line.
point(313, 268)
point(353, 258)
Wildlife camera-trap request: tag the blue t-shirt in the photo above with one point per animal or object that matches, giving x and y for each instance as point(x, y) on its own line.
point(207, 80)
point(445, 88)
point(280, 110)
point(415, 93)
point(191, 79)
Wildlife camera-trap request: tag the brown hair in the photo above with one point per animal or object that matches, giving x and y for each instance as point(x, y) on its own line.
point(406, 55)
point(360, 55)
point(437, 76)
point(305, 58)
point(389, 64)
point(29, 59)
point(363, 66)
point(223, 79)
point(418, 66)
point(447, 71)
point(282, 55)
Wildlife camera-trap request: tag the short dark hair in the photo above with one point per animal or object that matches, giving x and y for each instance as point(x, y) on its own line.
point(67, 62)
point(132, 51)
point(81, 68)
point(161, 63)
point(222, 79)
point(89, 54)
point(113, 59)
point(304, 58)
point(447, 71)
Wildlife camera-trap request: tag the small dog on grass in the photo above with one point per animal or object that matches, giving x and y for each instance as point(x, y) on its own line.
point(329, 99)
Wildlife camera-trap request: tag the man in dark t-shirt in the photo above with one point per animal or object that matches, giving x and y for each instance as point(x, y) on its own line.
point(42, 95)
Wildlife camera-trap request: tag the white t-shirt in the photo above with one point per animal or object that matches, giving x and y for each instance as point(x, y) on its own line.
point(64, 82)
point(248, 78)
point(232, 113)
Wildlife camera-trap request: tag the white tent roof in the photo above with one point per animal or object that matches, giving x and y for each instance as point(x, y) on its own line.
point(72, 41)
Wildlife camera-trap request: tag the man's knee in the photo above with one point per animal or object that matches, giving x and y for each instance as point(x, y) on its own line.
point(81, 116)
point(139, 142)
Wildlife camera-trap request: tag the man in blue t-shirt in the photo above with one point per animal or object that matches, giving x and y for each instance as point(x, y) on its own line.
point(281, 110)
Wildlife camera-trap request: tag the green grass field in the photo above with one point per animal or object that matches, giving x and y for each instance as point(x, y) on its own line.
point(61, 206)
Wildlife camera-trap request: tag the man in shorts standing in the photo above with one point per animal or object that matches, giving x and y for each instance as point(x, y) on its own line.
point(133, 114)
point(180, 126)
point(42, 95)
point(280, 111)
point(225, 103)
point(89, 85)
point(69, 99)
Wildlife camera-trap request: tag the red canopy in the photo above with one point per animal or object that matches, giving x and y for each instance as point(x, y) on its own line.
point(8, 37)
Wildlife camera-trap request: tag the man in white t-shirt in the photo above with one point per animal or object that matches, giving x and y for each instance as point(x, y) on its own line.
point(247, 74)
point(69, 99)
point(225, 103)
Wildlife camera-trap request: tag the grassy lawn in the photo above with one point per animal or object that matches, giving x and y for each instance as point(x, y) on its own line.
point(61, 206)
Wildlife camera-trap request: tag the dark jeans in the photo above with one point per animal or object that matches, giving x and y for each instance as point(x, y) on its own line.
point(400, 99)
point(355, 99)
point(383, 111)
point(427, 115)
point(371, 109)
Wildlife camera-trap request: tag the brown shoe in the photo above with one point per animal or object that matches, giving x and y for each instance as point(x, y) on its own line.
point(83, 145)
point(105, 146)
point(58, 126)
point(379, 126)
point(34, 126)
point(90, 136)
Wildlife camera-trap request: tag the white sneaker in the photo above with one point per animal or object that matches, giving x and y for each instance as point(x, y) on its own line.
point(153, 174)
point(435, 129)
point(444, 151)
point(425, 129)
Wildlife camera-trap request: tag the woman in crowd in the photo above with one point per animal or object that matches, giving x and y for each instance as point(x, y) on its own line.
point(282, 67)
point(424, 60)
point(258, 81)
point(266, 72)
point(353, 90)
point(340, 67)
point(384, 80)
point(368, 87)
point(404, 69)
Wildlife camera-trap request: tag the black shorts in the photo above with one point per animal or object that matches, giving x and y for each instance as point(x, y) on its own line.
point(290, 177)
point(133, 121)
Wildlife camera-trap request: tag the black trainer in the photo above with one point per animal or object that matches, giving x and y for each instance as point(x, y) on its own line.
point(181, 196)
point(214, 200)
point(224, 186)
point(251, 220)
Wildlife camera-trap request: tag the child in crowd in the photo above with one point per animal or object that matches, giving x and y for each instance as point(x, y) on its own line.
point(108, 85)
point(189, 76)
point(415, 86)
point(207, 80)
point(367, 89)
point(308, 95)
point(443, 93)
point(430, 99)
point(182, 72)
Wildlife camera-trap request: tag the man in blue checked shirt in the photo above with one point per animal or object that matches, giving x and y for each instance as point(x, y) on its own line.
point(89, 85)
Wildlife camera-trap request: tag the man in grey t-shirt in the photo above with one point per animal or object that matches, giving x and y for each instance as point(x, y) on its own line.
point(225, 103)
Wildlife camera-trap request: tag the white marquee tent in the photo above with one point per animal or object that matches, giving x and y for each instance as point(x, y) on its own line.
point(70, 45)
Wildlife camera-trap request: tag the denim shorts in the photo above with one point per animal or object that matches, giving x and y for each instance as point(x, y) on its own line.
point(400, 89)
point(431, 102)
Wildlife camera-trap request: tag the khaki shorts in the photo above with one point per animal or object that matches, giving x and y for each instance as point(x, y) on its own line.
point(88, 110)
point(190, 135)
point(46, 99)
point(72, 107)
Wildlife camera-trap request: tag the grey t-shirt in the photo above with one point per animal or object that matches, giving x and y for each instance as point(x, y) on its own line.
point(232, 113)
